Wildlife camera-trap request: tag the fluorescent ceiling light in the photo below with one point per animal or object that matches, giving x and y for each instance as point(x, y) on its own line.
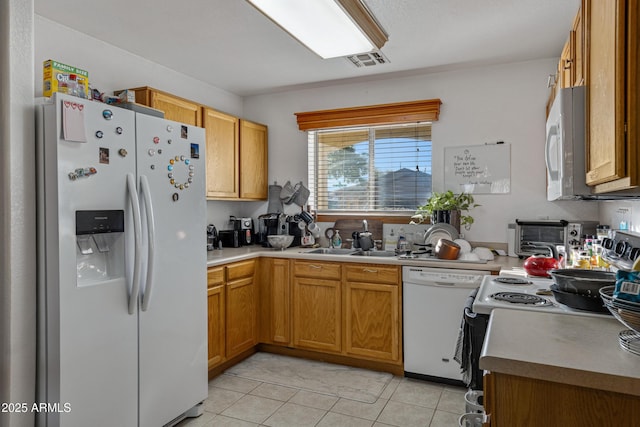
point(330, 28)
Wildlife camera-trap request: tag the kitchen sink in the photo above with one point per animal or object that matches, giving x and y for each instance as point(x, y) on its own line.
point(332, 251)
point(375, 253)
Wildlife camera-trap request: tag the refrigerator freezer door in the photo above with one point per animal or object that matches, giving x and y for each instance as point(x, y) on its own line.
point(88, 339)
point(173, 314)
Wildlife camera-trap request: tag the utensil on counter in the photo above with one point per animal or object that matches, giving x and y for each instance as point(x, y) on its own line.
point(446, 249)
point(540, 265)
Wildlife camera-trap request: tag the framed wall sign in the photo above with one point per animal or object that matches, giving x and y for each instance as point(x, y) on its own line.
point(478, 169)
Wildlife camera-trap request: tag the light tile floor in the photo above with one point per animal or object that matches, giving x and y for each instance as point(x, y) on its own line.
point(405, 402)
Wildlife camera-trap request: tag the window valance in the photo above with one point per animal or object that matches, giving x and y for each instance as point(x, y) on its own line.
point(381, 114)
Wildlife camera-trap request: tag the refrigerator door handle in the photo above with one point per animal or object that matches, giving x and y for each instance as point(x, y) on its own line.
point(137, 233)
point(151, 233)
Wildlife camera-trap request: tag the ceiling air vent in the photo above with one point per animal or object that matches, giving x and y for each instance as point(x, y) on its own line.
point(368, 59)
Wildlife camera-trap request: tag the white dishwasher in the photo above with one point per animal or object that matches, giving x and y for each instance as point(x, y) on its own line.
point(433, 303)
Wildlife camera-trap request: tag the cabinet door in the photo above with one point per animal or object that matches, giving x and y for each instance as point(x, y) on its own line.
point(253, 160)
point(241, 316)
point(216, 325)
point(317, 314)
point(177, 109)
point(280, 302)
point(216, 315)
point(372, 307)
point(578, 49)
point(565, 66)
point(223, 151)
point(605, 151)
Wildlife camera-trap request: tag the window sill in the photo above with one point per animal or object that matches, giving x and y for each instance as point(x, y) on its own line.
point(385, 218)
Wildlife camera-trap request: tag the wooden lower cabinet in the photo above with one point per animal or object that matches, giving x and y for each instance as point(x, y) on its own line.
point(241, 290)
point(216, 316)
point(372, 306)
point(349, 311)
point(275, 302)
point(511, 400)
point(317, 314)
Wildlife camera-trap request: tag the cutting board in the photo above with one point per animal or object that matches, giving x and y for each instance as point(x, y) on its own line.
point(348, 226)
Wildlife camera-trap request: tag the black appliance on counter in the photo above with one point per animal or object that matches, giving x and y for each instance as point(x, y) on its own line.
point(295, 230)
point(278, 223)
point(248, 235)
point(230, 238)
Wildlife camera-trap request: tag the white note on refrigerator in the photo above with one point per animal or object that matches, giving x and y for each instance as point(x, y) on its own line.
point(73, 121)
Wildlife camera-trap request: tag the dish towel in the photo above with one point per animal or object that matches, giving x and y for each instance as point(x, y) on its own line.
point(464, 343)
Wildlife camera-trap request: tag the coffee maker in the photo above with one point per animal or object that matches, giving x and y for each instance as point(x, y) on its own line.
point(270, 224)
point(294, 229)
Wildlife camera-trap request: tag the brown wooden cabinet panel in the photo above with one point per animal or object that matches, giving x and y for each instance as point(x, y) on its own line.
point(240, 270)
point(565, 65)
point(253, 160)
point(518, 401)
point(370, 273)
point(242, 331)
point(223, 152)
point(174, 108)
point(578, 35)
point(216, 324)
point(275, 301)
point(605, 95)
point(317, 314)
point(372, 324)
point(320, 270)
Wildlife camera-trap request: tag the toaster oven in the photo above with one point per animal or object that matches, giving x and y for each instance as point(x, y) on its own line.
point(535, 236)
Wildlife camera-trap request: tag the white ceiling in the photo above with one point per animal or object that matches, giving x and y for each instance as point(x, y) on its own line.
point(230, 45)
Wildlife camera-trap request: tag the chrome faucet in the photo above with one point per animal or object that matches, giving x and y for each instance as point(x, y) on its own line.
point(365, 225)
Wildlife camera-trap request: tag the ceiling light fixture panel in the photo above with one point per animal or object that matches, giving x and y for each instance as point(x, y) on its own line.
point(330, 28)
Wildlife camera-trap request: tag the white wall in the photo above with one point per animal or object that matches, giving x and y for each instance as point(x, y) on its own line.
point(111, 68)
point(497, 103)
point(17, 204)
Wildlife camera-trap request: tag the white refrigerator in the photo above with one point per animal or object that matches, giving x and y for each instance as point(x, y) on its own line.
point(122, 327)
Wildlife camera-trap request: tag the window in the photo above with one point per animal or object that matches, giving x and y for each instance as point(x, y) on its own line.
point(380, 169)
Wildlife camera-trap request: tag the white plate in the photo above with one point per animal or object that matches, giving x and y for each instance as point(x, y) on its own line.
point(439, 231)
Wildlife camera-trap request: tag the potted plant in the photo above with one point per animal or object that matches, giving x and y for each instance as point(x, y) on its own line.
point(447, 207)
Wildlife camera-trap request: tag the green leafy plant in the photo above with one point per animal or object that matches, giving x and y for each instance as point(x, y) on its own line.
point(447, 201)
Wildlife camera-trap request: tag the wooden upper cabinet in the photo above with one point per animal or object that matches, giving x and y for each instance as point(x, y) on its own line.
point(565, 65)
point(253, 160)
point(174, 108)
point(612, 77)
point(223, 150)
point(577, 40)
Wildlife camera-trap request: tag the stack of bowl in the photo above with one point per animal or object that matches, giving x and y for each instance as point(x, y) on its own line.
point(580, 289)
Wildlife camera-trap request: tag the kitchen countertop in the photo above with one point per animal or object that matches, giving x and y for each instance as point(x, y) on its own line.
point(227, 255)
point(576, 350)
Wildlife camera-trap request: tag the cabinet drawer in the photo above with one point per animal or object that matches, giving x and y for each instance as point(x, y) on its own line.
point(370, 273)
point(215, 277)
point(240, 270)
point(317, 270)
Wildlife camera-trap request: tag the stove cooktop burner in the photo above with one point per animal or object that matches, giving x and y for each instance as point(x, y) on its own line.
point(511, 280)
point(520, 298)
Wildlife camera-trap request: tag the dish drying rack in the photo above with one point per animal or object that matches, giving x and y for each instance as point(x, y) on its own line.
point(627, 313)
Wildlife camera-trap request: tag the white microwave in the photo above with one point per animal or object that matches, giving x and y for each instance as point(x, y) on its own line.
point(565, 146)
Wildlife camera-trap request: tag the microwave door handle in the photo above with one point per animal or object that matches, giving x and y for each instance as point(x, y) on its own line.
point(553, 132)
